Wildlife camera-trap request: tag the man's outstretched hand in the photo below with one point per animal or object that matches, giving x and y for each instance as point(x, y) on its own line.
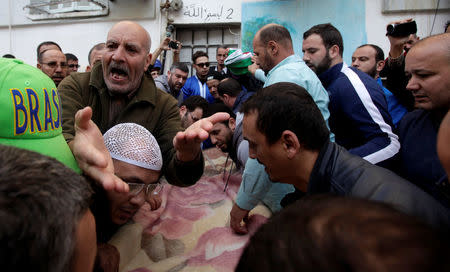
point(91, 153)
point(187, 143)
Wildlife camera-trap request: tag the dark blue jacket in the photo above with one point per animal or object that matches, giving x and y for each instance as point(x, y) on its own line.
point(359, 114)
point(419, 162)
point(241, 98)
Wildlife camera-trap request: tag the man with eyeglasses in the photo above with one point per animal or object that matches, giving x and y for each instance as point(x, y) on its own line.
point(53, 63)
point(72, 63)
point(196, 84)
point(137, 161)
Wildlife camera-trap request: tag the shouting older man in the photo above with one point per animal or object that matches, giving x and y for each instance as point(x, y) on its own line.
point(118, 91)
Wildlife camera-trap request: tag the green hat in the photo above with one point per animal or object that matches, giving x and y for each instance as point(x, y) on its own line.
point(30, 112)
point(238, 62)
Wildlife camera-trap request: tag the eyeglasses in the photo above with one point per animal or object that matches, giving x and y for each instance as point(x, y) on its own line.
point(203, 64)
point(54, 64)
point(137, 188)
point(74, 66)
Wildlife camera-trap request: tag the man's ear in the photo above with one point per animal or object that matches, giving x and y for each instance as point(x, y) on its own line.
point(232, 124)
point(148, 59)
point(290, 143)
point(224, 97)
point(333, 51)
point(272, 48)
point(39, 66)
point(168, 73)
point(183, 110)
point(88, 68)
point(380, 65)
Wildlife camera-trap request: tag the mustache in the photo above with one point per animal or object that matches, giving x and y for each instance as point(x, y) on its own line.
point(118, 68)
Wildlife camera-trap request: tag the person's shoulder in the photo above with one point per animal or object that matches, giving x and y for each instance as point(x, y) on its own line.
point(79, 78)
point(412, 118)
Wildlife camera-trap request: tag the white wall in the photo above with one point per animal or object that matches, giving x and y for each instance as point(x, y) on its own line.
point(376, 22)
point(78, 37)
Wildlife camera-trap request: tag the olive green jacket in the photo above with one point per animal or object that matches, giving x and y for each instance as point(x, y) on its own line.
point(150, 107)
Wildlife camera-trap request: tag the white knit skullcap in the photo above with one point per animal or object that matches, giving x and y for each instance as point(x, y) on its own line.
point(133, 144)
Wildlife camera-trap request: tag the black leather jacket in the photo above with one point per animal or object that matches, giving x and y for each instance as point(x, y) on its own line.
point(337, 171)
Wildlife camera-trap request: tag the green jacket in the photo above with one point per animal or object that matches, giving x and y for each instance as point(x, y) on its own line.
point(150, 107)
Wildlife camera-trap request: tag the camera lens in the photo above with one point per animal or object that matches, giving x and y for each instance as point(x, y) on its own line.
point(390, 29)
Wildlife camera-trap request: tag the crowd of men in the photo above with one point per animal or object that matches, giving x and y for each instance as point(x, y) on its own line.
point(297, 128)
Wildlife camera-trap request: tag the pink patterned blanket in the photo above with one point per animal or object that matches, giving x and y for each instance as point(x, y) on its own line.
point(190, 231)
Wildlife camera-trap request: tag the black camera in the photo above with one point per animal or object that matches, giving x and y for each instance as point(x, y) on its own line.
point(173, 45)
point(401, 30)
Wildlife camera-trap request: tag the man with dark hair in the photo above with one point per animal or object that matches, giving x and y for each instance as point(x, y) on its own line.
point(192, 109)
point(46, 221)
point(427, 65)
point(95, 55)
point(359, 113)
point(47, 45)
point(53, 63)
point(288, 135)
point(221, 55)
point(118, 91)
point(332, 233)
point(274, 54)
point(196, 84)
point(232, 94)
point(369, 58)
point(174, 81)
point(47, 225)
point(213, 81)
point(227, 136)
point(72, 62)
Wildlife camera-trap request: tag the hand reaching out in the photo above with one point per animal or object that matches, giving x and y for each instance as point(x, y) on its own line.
point(91, 153)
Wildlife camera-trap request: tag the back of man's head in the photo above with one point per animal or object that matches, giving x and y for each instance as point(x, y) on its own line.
point(47, 45)
point(287, 106)
point(229, 86)
point(220, 107)
point(334, 233)
point(41, 205)
point(329, 34)
point(277, 33)
point(195, 101)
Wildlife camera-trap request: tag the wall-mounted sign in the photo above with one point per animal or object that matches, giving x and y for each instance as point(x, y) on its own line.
point(200, 12)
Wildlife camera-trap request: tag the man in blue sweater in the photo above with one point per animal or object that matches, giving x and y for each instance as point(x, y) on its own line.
point(369, 58)
point(359, 114)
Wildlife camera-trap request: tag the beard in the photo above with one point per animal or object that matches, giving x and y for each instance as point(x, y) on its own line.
point(268, 64)
point(324, 64)
point(373, 72)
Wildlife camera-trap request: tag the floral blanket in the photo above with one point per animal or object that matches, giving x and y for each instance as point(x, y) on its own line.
point(190, 231)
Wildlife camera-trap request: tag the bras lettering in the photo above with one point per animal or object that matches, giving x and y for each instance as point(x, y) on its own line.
point(26, 112)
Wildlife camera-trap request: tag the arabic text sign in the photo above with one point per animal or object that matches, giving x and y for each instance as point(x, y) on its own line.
point(209, 12)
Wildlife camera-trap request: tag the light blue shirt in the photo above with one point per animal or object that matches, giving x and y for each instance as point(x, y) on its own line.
point(256, 185)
